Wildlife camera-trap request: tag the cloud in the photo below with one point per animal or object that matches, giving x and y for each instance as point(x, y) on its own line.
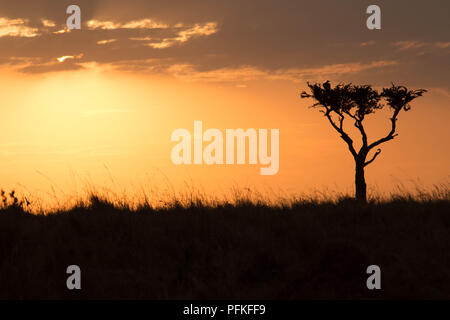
point(106, 41)
point(23, 61)
point(249, 73)
point(135, 24)
point(104, 25)
point(408, 45)
point(189, 73)
point(16, 28)
point(35, 65)
point(48, 67)
point(62, 31)
point(48, 23)
point(198, 30)
point(335, 70)
point(184, 35)
point(285, 39)
point(442, 45)
point(367, 43)
point(141, 38)
point(137, 45)
point(64, 58)
point(144, 24)
point(155, 42)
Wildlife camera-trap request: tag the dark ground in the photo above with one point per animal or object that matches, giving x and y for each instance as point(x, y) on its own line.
point(309, 251)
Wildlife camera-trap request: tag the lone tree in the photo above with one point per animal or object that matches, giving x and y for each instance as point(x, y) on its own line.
point(355, 102)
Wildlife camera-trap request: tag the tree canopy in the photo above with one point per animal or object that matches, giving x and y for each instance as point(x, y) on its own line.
point(357, 101)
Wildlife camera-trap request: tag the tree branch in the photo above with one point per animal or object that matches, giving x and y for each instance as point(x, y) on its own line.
point(340, 130)
point(359, 125)
point(373, 158)
point(391, 135)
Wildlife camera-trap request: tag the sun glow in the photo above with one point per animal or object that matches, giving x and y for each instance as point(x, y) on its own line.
point(70, 125)
point(64, 58)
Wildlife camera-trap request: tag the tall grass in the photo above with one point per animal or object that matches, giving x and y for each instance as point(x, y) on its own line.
point(194, 196)
point(244, 245)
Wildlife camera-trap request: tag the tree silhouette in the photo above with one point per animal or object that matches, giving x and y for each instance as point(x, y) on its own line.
point(355, 102)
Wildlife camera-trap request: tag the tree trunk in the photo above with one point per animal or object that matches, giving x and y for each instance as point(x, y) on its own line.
point(360, 183)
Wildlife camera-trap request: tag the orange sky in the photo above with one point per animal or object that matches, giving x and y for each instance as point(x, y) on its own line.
point(104, 115)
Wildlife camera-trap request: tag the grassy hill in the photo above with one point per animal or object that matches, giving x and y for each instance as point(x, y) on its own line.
point(244, 250)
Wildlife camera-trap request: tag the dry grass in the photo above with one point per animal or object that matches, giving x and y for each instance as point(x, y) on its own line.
point(241, 247)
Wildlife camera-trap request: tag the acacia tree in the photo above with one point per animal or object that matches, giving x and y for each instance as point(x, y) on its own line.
point(355, 102)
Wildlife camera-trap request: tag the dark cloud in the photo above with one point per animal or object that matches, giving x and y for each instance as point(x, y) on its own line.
point(266, 35)
point(54, 67)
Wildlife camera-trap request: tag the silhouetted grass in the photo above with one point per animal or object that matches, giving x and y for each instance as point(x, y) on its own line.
point(240, 249)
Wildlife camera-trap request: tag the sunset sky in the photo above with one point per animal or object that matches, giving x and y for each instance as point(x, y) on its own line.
point(98, 105)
